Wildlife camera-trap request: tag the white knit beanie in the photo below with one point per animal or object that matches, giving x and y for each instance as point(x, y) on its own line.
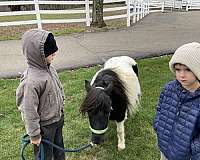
point(188, 55)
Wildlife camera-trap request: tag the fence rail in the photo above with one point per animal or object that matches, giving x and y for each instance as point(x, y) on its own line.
point(139, 10)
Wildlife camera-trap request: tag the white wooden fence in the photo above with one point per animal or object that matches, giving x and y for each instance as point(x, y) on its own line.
point(134, 10)
point(161, 5)
point(193, 5)
point(137, 10)
point(156, 5)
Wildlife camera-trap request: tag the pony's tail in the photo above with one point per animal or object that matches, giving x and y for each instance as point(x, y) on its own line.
point(133, 108)
point(134, 95)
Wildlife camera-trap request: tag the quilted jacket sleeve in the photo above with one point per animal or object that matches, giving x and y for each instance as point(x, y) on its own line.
point(155, 123)
point(195, 145)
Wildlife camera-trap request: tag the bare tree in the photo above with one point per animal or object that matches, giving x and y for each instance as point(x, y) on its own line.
point(97, 14)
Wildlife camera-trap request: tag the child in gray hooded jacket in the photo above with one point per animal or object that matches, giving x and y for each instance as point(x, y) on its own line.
point(40, 95)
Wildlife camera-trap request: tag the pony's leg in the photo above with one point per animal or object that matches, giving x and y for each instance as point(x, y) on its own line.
point(121, 135)
point(126, 116)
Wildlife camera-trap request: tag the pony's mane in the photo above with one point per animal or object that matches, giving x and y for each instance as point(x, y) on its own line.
point(97, 97)
point(132, 87)
point(118, 90)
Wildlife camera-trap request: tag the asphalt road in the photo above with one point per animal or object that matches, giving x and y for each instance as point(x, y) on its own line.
point(156, 34)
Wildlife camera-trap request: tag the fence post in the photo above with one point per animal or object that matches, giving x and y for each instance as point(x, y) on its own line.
point(87, 12)
point(37, 10)
point(143, 9)
point(187, 6)
point(128, 13)
point(137, 11)
point(163, 6)
point(134, 12)
point(148, 10)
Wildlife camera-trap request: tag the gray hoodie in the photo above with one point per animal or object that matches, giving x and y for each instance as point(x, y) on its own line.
point(39, 96)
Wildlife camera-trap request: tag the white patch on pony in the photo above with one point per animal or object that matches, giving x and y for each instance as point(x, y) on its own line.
point(123, 67)
point(120, 135)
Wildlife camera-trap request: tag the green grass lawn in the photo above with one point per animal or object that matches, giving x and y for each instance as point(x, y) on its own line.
point(140, 137)
point(16, 32)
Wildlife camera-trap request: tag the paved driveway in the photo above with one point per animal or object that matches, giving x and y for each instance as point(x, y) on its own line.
point(156, 34)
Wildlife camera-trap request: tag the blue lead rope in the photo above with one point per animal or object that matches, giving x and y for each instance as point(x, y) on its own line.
point(26, 140)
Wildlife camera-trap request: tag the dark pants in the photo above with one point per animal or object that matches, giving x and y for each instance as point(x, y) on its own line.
point(53, 133)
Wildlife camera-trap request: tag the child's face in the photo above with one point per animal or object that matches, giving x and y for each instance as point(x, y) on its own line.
point(186, 77)
point(50, 58)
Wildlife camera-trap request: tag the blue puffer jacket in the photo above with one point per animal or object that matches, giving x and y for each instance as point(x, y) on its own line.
point(177, 122)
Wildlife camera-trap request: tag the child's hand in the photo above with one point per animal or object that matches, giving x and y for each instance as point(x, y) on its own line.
point(36, 142)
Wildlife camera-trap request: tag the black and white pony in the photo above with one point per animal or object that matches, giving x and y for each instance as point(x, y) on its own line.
point(113, 92)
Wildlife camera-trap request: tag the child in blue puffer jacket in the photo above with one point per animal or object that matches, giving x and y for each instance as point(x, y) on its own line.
point(177, 121)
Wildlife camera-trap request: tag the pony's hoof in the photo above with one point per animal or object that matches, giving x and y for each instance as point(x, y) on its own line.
point(121, 147)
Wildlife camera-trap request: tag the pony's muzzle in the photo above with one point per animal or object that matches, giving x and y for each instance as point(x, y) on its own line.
point(97, 138)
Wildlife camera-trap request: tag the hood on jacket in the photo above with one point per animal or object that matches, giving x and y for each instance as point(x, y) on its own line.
point(33, 48)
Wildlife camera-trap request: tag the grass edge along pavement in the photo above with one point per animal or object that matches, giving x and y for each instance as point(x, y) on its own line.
point(140, 137)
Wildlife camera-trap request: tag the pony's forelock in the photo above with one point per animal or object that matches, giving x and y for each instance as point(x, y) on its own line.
point(94, 99)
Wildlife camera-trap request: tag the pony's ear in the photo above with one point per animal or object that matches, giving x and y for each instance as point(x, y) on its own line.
point(108, 89)
point(87, 85)
point(135, 69)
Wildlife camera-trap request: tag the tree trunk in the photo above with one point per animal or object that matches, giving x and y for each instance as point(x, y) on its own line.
point(97, 14)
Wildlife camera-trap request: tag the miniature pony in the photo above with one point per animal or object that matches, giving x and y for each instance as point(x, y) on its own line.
point(113, 92)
